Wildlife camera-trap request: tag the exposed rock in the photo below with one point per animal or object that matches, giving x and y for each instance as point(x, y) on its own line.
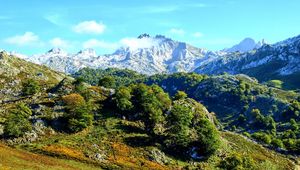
point(158, 156)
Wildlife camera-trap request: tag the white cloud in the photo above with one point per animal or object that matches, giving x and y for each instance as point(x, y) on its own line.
point(198, 34)
point(58, 42)
point(135, 43)
point(177, 31)
point(89, 27)
point(28, 38)
point(94, 43)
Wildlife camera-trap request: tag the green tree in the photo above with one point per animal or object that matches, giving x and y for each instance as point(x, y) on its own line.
point(80, 118)
point(150, 102)
point(30, 87)
point(78, 112)
point(107, 82)
point(79, 85)
point(180, 95)
point(179, 120)
point(123, 98)
point(17, 122)
point(208, 137)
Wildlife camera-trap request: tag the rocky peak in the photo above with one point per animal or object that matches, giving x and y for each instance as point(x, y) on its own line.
point(145, 35)
point(88, 51)
point(245, 45)
point(55, 51)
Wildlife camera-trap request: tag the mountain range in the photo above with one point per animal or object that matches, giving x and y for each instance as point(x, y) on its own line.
point(160, 54)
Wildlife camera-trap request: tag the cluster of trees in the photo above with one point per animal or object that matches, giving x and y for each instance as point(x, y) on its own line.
point(120, 76)
point(177, 124)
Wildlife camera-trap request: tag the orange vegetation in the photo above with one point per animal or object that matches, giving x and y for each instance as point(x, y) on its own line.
point(64, 151)
point(123, 156)
point(11, 158)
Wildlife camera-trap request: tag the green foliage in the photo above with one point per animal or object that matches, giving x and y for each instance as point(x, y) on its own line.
point(79, 119)
point(262, 137)
point(179, 134)
point(237, 162)
point(294, 125)
point(123, 98)
point(180, 95)
point(123, 77)
point(208, 137)
point(107, 82)
point(151, 102)
point(78, 113)
point(17, 122)
point(275, 83)
point(79, 85)
point(277, 143)
point(30, 87)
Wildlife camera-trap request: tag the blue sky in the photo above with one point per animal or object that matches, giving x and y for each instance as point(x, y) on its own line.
point(35, 26)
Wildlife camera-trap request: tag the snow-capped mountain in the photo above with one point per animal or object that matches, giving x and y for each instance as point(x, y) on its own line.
point(158, 54)
point(245, 45)
point(277, 61)
point(146, 54)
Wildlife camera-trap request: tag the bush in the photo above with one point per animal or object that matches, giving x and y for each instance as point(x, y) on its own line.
point(237, 162)
point(78, 113)
point(208, 137)
point(30, 87)
point(262, 137)
point(123, 97)
point(107, 82)
point(275, 83)
point(180, 95)
point(73, 100)
point(277, 143)
point(179, 120)
point(17, 122)
point(81, 118)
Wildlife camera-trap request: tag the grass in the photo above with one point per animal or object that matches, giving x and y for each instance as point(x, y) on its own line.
point(11, 158)
point(125, 146)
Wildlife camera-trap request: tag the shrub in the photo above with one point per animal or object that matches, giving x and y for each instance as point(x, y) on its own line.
point(277, 143)
point(123, 97)
point(73, 100)
point(107, 82)
point(262, 137)
point(275, 83)
point(208, 136)
point(179, 120)
point(180, 95)
point(78, 113)
point(237, 162)
point(17, 122)
point(30, 87)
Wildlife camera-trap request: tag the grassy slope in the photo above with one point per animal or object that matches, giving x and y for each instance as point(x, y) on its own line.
point(125, 146)
point(11, 158)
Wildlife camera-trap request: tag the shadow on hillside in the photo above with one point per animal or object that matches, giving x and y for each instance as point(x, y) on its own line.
point(138, 141)
point(130, 128)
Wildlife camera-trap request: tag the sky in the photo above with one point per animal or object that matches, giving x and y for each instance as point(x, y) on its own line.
point(35, 26)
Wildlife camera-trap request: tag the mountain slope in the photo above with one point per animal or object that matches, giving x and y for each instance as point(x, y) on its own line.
point(19, 159)
point(278, 61)
point(245, 45)
point(14, 71)
point(147, 55)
